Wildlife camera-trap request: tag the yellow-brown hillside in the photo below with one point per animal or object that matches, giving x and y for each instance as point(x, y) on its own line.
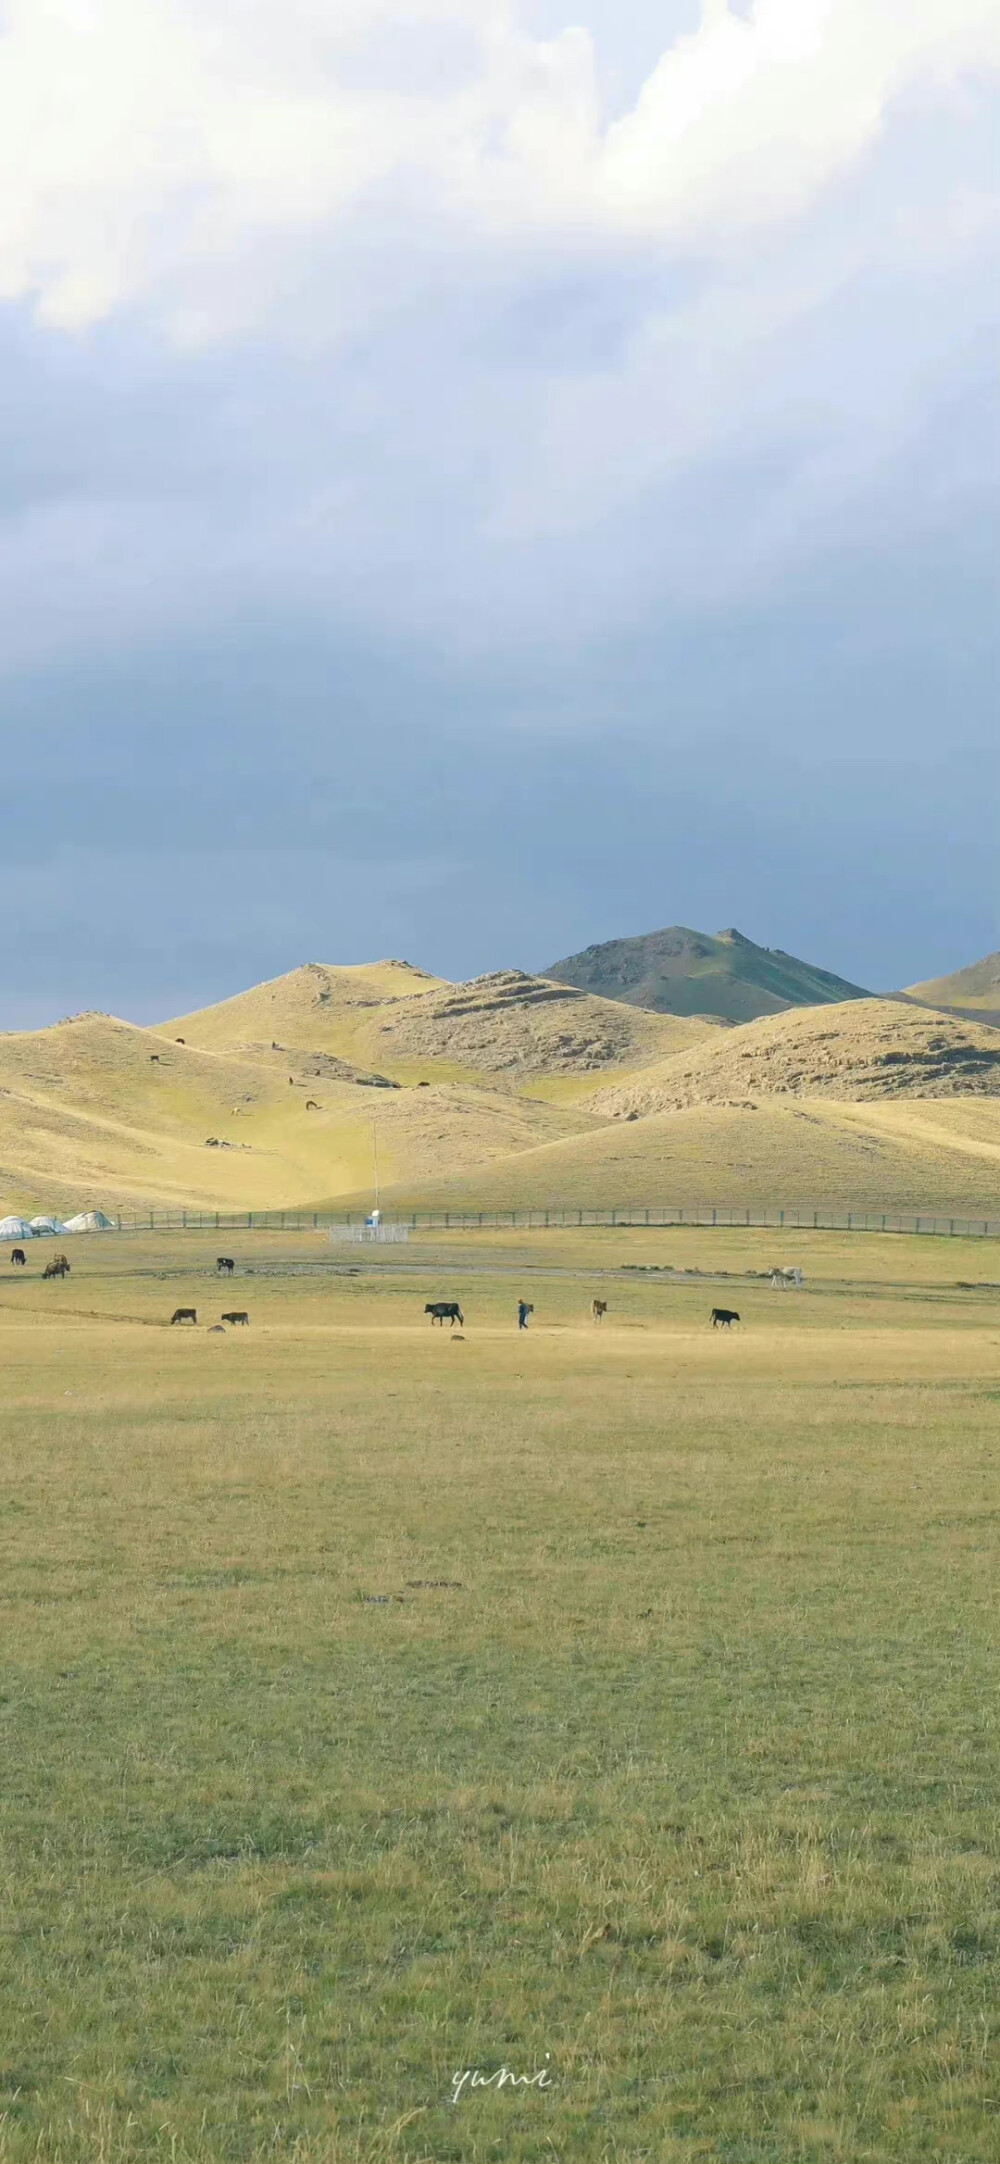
point(509, 1029)
point(892, 1155)
point(863, 1049)
point(313, 1009)
point(95, 1112)
point(974, 991)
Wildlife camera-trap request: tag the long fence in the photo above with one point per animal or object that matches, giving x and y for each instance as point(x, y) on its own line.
point(637, 1215)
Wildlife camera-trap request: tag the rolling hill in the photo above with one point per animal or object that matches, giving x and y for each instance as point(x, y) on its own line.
point(973, 993)
point(95, 1111)
point(508, 1028)
point(508, 1089)
point(942, 1157)
point(681, 972)
point(863, 1049)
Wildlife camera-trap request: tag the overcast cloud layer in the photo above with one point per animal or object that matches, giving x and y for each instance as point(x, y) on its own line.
point(474, 481)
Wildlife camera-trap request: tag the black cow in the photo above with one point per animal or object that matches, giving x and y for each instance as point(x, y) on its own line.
point(443, 1311)
point(237, 1314)
point(184, 1314)
point(723, 1317)
point(18, 1255)
point(225, 1263)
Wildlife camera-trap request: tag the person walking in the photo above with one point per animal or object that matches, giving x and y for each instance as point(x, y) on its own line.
point(523, 1311)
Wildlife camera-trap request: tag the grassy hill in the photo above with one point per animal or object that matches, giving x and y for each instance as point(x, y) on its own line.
point(863, 1049)
point(972, 992)
point(314, 1009)
point(509, 1089)
point(942, 1157)
point(507, 1029)
point(98, 1112)
point(678, 971)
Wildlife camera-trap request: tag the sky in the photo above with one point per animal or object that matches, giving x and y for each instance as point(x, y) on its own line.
point(479, 477)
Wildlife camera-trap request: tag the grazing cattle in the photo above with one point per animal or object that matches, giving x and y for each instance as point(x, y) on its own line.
point(154, 1059)
point(598, 1309)
point(184, 1314)
point(58, 1268)
point(723, 1317)
point(443, 1311)
point(311, 1105)
point(524, 1309)
point(179, 1040)
point(237, 1314)
point(225, 1263)
point(18, 1255)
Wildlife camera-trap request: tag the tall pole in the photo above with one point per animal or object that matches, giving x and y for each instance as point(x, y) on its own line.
point(375, 1155)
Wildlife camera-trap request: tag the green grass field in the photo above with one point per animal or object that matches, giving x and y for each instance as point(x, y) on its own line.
point(618, 1702)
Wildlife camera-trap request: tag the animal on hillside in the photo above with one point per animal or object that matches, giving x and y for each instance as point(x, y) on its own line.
point(783, 1280)
point(598, 1309)
point(311, 1105)
point(723, 1317)
point(443, 1311)
point(184, 1314)
point(180, 1040)
point(524, 1309)
point(237, 1314)
point(58, 1267)
point(154, 1059)
point(225, 1263)
point(18, 1256)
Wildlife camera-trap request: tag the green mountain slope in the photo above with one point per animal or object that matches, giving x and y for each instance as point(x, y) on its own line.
point(678, 971)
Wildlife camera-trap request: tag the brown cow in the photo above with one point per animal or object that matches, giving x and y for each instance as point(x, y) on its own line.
point(598, 1308)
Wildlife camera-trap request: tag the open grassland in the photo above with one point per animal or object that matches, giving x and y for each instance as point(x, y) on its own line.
point(375, 1705)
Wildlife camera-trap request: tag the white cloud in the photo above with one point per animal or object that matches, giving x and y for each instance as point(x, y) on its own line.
point(159, 153)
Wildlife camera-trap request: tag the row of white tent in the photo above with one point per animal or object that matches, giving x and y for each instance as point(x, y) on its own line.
point(35, 1228)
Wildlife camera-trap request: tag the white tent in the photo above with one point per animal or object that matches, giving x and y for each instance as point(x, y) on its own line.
point(15, 1228)
point(44, 1225)
point(88, 1221)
